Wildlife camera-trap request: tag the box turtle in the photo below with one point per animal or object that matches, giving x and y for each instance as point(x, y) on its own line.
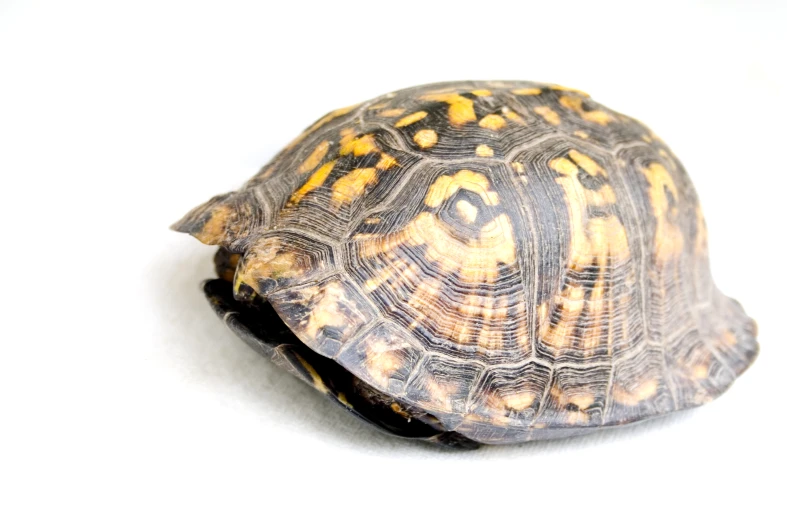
point(479, 262)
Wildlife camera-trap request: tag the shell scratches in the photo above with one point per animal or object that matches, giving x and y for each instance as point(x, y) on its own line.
point(510, 257)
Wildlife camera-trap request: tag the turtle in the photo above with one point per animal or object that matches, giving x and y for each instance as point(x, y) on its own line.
point(479, 262)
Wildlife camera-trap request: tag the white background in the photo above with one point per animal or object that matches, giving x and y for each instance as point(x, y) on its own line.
point(123, 396)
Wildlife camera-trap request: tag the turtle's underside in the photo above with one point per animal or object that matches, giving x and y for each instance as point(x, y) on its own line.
point(479, 262)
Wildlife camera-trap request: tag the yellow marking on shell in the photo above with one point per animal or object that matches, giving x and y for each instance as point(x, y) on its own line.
point(466, 211)
point(518, 167)
point(644, 391)
point(569, 89)
point(392, 112)
point(574, 104)
point(474, 319)
point(599, 241)
point(647, 138)
point(668, 238)
point(483, 150)
point(586, 163)
point(460, 108)
point(410, 119)
point(699, 372)
point(495, 244)
point(482, 92)
point(519, 402)
point(315, 181)
point(351, 186)
point(215, 228)
point(326, 311)
point(268, 260)
point(361, 145)
point(581, 134)
point(322, 122)
point(513, 116)
point(492, 122)
point(549, 115)
point(316, 379)
point(441, 393)
point(581, 400)
point(382, 362)
point(372, 220)
point(315, 158)
point(526, 91)
point(447, 185)
point(386, 162)
point(425, 138)
point(564, 166)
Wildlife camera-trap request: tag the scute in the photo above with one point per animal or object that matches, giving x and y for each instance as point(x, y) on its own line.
point(513, 258)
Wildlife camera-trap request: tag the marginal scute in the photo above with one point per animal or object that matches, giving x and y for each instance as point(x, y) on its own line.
point(385, 356)
point(277, 261)
point(324, 315)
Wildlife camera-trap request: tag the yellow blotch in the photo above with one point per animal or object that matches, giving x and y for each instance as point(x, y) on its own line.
point(382, 363)
point(599, 240)
point(581, 134)
point(492, 122)
point(466, 211)
point(352, 185)
point(668, 239)
point(483, 150)
point(315, 181)
point(385, 162)
point(426, 138)
point(700, 372)
point(569, 89)
point(460, 108)
point(315, 157)
point(412, 118)
point(513, 116)
point(392, 112)
point(519, 401)
point(447, 185)
point(632, 398)
point(526, 91)
point(518, 167)
point(582, 401)
point(574, 104)
point(549, 115)
point(586, 163)
point(327, 311)
point(362, 145)
point(482, 92)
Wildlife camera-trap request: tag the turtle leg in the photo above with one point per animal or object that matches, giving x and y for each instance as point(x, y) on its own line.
point(261, 328)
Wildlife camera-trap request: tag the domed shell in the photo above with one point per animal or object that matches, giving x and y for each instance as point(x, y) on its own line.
point(511, 257)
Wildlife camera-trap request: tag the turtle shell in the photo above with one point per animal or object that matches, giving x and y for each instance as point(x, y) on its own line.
point(513, 259)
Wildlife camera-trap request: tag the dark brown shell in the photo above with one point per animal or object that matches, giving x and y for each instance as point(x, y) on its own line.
point(510, 257)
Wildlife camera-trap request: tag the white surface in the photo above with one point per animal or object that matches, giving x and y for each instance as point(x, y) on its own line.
point(123, 396)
